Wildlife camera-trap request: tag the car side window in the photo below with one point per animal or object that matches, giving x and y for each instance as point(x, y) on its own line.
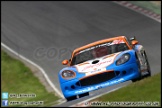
point(122, 47)
point(128, 41)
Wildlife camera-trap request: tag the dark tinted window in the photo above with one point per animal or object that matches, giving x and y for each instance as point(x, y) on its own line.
point(98, 51)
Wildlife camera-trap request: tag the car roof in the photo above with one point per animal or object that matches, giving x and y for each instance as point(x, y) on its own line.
point(98, 42)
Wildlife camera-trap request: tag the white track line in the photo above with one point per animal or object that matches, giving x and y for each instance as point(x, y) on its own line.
point(43, 72)
point(85, 101)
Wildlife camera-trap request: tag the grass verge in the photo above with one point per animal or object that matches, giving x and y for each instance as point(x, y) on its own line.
point(146, 91)
point(17, 78)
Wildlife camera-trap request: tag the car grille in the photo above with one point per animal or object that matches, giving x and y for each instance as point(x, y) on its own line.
point(98, 78)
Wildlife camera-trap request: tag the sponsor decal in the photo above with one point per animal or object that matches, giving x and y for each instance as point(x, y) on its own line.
point(112, 82)
point(85, 90)
point(95, 71)
point(97, 46)
point(100, 66)
point(118, 41)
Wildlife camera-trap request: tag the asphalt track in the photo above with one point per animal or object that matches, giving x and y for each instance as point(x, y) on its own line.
point(47, 31)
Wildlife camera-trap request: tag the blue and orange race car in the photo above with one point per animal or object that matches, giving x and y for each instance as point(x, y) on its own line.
point(102, 64)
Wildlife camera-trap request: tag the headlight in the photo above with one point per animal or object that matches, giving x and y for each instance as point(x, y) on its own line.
point(68, 74)
point(124, 58)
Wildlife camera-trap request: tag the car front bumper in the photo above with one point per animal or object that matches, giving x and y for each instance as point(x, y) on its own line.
point(122, 74)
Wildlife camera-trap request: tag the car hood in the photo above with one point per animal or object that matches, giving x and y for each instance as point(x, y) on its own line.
point(98, 64)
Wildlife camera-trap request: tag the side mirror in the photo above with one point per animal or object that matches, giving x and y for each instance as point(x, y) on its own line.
point(132, 38)
point(134, 42)
point(65, 62)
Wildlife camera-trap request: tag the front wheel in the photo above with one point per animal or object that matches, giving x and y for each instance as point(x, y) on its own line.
point(139, 70)
point(71, 98)
point(148, 66)
point(84, 94)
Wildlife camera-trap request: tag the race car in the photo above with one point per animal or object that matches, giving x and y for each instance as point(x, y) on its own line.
point(101, 64)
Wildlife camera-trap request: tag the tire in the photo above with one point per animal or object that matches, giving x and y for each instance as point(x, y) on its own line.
point(148, 66)
point(139, 69)
point(85, 94)
point(148, 69)
point(71, 98)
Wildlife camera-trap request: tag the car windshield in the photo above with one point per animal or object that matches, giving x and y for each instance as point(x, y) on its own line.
point(99, 51)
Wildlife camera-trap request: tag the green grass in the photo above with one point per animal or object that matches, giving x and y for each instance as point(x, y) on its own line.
point(154, 6)
point(17, 78)
point(147, 90)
